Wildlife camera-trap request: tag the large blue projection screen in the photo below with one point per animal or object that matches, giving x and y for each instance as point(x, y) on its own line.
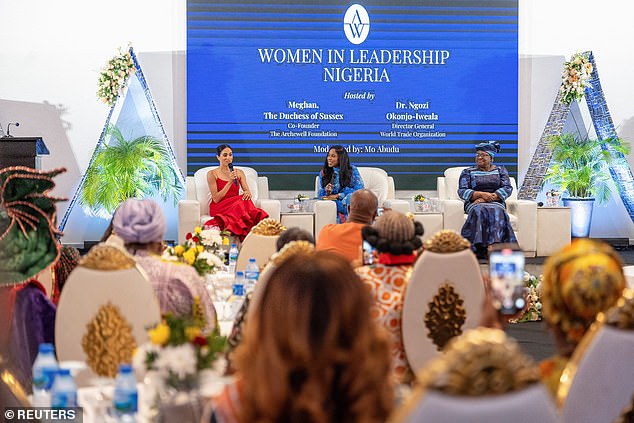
point(408, 86)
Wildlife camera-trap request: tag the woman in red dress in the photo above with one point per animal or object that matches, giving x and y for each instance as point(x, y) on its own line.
point(229, 209)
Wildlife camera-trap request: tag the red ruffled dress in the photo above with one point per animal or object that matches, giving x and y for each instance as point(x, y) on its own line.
point(233, 213)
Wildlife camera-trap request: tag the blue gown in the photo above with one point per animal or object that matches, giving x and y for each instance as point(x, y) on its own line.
point(487, 223)
point(356, 183)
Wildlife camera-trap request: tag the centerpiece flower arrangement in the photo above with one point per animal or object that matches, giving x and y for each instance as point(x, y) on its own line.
point(178, 349)
point(420, 203)
point(552, 198)
point(574, 78)
point(113, 78)
point(202, 250)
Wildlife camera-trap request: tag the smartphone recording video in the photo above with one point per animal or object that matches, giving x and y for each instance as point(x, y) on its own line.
point(369, 253)
point(507, 280)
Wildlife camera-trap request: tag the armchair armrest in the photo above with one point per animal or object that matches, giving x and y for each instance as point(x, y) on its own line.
point(441, 188)
point(272, 207)
point(391, 191)
point(325, 214)
point(263, 189)
point(190, 188)
point(453, 214)
point(526, 213)
point(188, 217)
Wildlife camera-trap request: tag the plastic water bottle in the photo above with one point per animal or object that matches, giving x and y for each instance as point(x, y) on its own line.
point(238, 284)
point(233, 258)
point(44, 370)
point(125, 399)
point(237, 297)
point(251, 274)
point(64, 390)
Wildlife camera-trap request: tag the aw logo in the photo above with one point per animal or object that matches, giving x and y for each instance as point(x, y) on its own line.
point(356, 24)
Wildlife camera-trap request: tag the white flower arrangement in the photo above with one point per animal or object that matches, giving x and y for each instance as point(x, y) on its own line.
point(114, 77)
point(178, 350)
point(574, 78)
point(202, 250)
point(533, 311)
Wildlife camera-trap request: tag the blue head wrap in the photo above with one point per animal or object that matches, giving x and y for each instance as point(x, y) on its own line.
point(490, 147)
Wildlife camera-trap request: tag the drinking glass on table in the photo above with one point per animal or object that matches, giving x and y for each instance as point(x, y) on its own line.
point(220, 287)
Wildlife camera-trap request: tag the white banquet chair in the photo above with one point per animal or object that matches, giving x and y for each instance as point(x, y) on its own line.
point(92, 289)
point(260, 243)
point(598, 382)
point(443, 298)
point(194, 210)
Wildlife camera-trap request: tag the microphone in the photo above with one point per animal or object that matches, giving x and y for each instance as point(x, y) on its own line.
point(235, 181)
point(9, 128)
point(540, 204)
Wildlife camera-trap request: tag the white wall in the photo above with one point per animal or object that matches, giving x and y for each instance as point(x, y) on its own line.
point(52, 53)
point(551, 31)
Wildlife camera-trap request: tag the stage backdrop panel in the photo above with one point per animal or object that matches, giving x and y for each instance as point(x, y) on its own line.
point(408, 86)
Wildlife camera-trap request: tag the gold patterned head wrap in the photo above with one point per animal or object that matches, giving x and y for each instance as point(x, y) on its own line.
point(482, 361)
point(581, 280)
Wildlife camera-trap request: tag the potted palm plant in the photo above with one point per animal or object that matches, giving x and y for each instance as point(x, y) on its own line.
point(123, 169)
point(580, 168)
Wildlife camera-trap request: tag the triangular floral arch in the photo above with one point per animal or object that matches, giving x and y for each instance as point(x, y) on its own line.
point(604, 128)
point(115, 108)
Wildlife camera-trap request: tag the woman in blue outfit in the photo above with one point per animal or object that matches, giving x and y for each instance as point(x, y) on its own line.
point(485, 187)
point(338, 179)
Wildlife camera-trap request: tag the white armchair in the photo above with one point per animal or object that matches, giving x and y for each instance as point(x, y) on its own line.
point(374, 179)
point(194, 210)
point(523, 213)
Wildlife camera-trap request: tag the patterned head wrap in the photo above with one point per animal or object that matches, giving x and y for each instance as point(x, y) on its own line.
point(580, 281)
point(28, 241)
point(490, 147)
point(68, 260)
point(139, 221)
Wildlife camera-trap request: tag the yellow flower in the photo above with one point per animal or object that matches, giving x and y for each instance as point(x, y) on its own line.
point(200, 248)
point(190, 256)
point(160, 334)
point(179, 250)
point(225, 240)
point(198, 229)
point(192, 332)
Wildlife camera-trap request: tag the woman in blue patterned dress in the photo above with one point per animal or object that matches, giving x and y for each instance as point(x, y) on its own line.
point(485, 187)
point(338, 179)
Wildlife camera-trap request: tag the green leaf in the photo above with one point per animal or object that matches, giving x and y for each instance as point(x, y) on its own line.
point(123, 169)
point(580, 166)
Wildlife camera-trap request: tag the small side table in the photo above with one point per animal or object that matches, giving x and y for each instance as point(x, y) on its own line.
point(553, 229)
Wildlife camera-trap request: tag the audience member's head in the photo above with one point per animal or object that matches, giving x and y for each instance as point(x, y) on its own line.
point(28, 235)
point(335, 367)
point(394, 233)
point(68, 259)
point(140, 223)
point(363, 206)
point(293, 234)
point(581, 280)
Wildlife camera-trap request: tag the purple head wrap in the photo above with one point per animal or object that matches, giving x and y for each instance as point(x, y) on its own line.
point(139, 221)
